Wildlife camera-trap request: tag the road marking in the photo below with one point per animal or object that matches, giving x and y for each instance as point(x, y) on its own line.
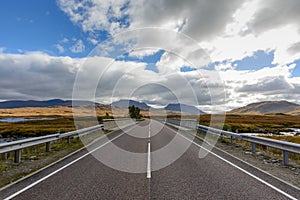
point(239, 159)
point(241, 169)
point(149, 161)
point(58, 170)
point(149, 134)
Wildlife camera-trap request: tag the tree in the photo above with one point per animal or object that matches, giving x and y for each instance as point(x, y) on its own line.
point(134, 112)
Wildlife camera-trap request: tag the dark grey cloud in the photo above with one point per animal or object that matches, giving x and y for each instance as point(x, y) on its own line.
point(35, 76)
point(197, 18)
point(295, 48)
point(268, 85)
point(200, 19)
point(275, 13)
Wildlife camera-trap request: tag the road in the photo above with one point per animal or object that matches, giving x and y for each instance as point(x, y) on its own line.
point(157, 162)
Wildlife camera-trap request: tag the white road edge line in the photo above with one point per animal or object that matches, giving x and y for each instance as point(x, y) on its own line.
point(262, 171)
point(55, 162)
point(241, 169)
point(149, 161)
point(239, 159)
point(58, 170)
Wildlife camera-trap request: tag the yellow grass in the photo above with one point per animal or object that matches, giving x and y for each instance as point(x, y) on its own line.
point(249, 123)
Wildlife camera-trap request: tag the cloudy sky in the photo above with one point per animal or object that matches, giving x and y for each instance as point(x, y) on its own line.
point(207, 53)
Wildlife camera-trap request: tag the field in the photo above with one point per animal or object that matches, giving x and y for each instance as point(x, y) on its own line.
point(62, 111)
point(259, 123)
point(63, 121)
point(256, 123)
point(43, 127)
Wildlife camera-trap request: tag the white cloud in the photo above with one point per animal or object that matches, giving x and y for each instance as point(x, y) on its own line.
point(94, 15)
point(60, 48)
point(78, 47)
point(36, 75)
point(39, 76)
point(64, 40)
point(140, 53)
point(248, 86)
point(28, 76)
point(196, 18)
point(228, 31)
point(274, 14)
point(238, 46)
point(92, 40)
point(210, 31)
point(268, 85)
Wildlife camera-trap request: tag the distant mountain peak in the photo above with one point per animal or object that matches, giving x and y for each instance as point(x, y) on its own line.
point(125, 103)
point(267, 107)
point(184, 108)
point(45, 103)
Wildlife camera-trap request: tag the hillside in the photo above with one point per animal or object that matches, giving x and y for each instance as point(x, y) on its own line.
point(41, 104)
point(268, 107)
point(184, 108)
point(125, 103)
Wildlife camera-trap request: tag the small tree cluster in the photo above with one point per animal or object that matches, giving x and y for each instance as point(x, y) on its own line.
point(134, 112)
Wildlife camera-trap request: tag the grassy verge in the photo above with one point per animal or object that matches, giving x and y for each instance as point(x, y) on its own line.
point(268, 152)
point(43, 127)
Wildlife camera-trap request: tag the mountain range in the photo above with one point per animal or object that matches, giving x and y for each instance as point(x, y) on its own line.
point(268, 107)
point(265, 107)
point(42, 104)
point(184, 108)
point(123, 103)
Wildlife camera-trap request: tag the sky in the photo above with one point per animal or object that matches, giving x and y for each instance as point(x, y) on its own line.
point(216, 55)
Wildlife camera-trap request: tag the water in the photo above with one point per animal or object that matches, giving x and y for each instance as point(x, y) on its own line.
point(22, 119)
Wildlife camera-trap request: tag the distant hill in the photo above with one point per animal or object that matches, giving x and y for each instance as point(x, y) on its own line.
point(268, 107)
point(125, 103)
point(47, 103)
point(184, 108)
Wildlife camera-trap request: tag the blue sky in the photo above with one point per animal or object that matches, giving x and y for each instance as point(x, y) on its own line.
point(259, 60)
point(35, 25)
point(45, 40)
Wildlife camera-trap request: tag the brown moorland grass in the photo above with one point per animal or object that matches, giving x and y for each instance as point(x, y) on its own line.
point(42, 127)
point(63, 111)
point(36, 127)
point(250, 123)
point(294, 139)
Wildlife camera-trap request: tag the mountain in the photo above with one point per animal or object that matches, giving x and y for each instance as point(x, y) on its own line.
point(125, 103)
point(184, 108)
point(268, 107)
point(47, 103)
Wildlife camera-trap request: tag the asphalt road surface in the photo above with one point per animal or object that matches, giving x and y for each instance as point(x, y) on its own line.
point(150, 161)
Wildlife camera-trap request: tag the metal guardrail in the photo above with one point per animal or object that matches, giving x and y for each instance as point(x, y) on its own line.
point(18, 145)
point(217, 131)
point(285, 146)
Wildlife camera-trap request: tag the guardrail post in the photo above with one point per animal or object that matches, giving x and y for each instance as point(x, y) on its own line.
point(17, 158)
point(48, 146)
point(5, 157)
point(69, 139)
point(253, 147)
point(231, 139)
point(285, 157)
